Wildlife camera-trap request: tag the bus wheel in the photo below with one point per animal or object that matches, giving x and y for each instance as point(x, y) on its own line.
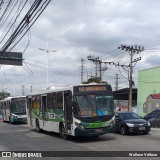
point(10, 120)
point(38, 129)
point(3, 119)
point(62, 132)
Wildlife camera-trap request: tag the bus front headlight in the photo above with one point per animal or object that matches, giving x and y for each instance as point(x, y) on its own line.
point(15, 117)
point(79, 126)
point(112, 123)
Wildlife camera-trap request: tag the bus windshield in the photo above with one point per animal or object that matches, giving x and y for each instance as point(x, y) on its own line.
point(94, 105)
point(18, 107)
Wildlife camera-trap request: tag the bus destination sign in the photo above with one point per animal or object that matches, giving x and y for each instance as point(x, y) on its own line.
point(92, 88)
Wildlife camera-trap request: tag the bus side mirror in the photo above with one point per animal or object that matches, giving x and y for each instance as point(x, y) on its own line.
point(117, 118)
point(73, 104)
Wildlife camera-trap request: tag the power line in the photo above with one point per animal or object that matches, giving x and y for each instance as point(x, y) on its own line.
point(31, 16)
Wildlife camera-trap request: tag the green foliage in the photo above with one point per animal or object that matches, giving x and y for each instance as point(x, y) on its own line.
point(94, 80)
point(4, 95)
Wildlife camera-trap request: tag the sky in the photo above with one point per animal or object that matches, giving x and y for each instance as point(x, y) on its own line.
point(74, 29)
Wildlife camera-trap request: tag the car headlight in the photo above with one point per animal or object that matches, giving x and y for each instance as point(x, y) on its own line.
point(79, 126)
point(149, 124)
point(130, 124)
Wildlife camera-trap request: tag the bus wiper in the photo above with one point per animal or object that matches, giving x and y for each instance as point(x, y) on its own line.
point(89, 102)
point(20, 105)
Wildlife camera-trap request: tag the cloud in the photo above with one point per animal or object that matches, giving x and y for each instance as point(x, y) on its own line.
point(76, 29)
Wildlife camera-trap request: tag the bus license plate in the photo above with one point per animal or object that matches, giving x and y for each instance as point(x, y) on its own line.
point(98, 131)
point(141, 128)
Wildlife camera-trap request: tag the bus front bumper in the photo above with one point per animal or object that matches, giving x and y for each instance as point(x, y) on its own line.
point(94, 131)
point(16, 120)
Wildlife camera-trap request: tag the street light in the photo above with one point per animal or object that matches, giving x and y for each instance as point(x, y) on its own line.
point(47, 51)
point(19, 81)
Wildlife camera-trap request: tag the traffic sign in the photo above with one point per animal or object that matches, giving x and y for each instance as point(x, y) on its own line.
point(11, 58)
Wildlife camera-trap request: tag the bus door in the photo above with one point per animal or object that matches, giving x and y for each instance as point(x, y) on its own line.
point(44, 106)
point(68, 110)
point(4, 111)
point(29, 110)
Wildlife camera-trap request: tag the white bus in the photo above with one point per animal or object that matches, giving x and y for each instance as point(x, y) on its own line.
point(82, 110)
point(14, 109)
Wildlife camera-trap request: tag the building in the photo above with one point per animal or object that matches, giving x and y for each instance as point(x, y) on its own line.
point(121, 98)
point(148, 90)
point(152, 103)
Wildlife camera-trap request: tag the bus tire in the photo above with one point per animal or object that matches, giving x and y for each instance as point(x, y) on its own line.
point(38, 129)
point(3, 119)
point(62, 132)
point(10, 120)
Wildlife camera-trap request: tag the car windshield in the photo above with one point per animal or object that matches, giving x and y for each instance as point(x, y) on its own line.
point(94, 105)
point(126, 116)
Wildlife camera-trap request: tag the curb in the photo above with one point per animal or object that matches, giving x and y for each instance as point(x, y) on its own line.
point(155, 129)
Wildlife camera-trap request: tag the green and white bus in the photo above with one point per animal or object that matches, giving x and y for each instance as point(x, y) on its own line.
point(14, 109)
point(82, 110)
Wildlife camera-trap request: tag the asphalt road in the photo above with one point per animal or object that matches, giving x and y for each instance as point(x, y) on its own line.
point(21, 138)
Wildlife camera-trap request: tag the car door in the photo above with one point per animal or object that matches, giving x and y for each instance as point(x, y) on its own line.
point(151, 115)
point(157, 121)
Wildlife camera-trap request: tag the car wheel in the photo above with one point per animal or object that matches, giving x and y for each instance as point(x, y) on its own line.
point(96, 136)
point(123, 130)
point(146, 132)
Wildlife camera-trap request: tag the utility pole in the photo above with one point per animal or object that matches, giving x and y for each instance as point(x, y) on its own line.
point(19, 77)
point(131, 50)
point(31, 89)
point(116, 83)
point(23, 90)
point(98, 64)
point(82, 69)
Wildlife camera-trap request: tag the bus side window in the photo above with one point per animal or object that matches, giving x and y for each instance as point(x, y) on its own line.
point(49, 101)
point(33, 102)
point(38, 103)
point(54, 101)
point(59, 100)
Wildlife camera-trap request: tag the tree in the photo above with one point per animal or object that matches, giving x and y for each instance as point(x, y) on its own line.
point(4, 95)
point(94, 80)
